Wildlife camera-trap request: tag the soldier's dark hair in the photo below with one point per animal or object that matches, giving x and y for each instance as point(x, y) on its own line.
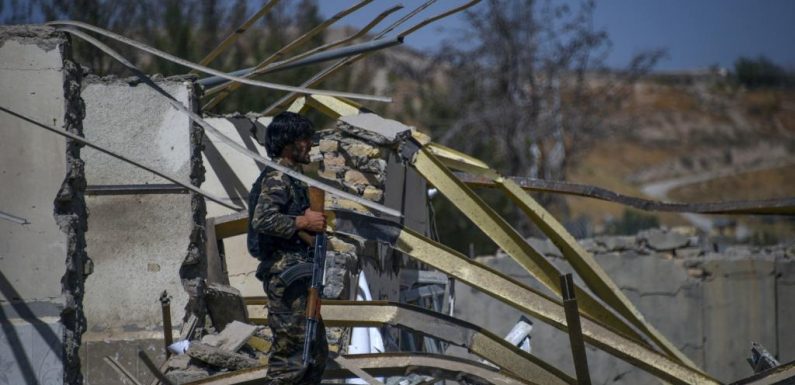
point(286, 127)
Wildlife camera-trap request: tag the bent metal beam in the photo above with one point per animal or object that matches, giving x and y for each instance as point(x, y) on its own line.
point(436, 171)
point(454, 331)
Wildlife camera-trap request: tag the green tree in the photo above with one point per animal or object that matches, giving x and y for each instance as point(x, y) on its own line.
point(759, 72)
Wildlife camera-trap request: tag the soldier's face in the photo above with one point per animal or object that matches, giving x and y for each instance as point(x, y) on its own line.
point(301, 149)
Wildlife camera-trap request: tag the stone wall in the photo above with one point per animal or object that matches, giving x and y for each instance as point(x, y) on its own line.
point(711, 305)
point(358, 166)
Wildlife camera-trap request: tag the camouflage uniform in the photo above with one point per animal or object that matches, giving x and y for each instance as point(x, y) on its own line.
point(272, 225)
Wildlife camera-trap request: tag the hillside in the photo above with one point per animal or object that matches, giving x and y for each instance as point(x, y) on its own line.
point(698, 134)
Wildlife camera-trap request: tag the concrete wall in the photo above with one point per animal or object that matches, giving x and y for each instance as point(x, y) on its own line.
point(138, 242)
point(712, 306)
point(230, 175)
point(35, 75)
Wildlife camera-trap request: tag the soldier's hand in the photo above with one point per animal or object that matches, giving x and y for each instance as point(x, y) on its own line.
point(311, 220)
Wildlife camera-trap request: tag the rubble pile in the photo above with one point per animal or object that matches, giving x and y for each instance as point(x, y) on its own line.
point(238, 346)
point(230, 344)
point(678, 243)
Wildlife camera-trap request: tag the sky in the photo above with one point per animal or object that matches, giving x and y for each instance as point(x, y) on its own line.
point(696, 33)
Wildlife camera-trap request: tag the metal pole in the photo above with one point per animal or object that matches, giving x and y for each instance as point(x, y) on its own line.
point(575, 332)
point(351, 50)
point(165, 305)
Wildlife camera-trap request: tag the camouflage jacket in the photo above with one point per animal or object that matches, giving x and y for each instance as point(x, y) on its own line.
point(275, 200)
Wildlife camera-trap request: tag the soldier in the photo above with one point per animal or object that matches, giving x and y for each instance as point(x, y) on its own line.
point(278, 210)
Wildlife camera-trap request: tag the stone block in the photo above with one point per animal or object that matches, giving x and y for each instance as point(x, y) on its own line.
point(225, 305)
point(339, 267)
point(327, 145)
point(375, 166)
point(373, 194)
point(334, 163)
point(327, 175)
point(361, 150)
point(340, 246)
point(620, 243)
point(662, 240)
point(360, 179)
point(315, 155)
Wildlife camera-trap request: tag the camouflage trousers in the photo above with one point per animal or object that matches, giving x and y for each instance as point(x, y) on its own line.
point(287, 319)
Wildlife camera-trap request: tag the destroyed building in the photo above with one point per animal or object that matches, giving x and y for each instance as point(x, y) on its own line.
point(147, 211)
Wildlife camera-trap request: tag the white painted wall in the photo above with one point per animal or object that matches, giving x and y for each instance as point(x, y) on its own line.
point(32, 167)
point(137, 242)
point(240, 264)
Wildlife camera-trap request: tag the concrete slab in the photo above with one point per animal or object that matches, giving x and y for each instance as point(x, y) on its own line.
point(32, 164)
point(232, 338)
point(372, 127)
point(225, 305)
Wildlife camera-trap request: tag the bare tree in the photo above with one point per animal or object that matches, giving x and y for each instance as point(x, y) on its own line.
point(523, 84)
point(528, 89)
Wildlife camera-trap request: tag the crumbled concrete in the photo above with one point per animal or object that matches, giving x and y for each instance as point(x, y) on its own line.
point(43, 37)
point(184, 376)
point(225, 305)
point(194, 269)
point(372, 128)
point(72, 217)
point(220, 358)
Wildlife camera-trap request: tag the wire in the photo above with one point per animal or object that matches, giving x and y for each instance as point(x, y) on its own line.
point(223, 138)
point(211, 71)
point(121, 157)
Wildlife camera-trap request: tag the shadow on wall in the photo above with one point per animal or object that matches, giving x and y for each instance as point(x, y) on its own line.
point(23, 312)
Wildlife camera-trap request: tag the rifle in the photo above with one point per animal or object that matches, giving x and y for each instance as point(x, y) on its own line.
point(316, 200)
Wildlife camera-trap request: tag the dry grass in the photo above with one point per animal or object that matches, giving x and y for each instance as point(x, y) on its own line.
point(608, 165)
point(766, 184)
